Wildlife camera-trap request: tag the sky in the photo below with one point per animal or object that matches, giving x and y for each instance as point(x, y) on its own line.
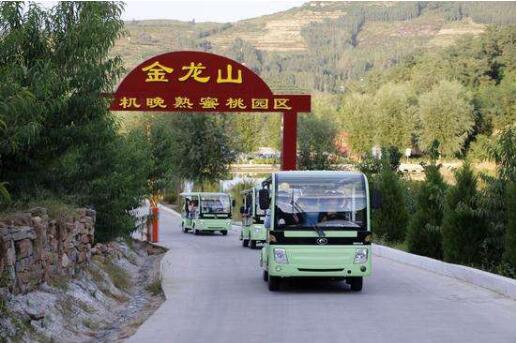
point(216, 11)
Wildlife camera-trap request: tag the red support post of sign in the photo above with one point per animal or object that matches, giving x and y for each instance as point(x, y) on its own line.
point(154, 236)
point(289, 134)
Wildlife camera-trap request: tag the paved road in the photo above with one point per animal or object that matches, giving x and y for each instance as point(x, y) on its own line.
point(215, 293)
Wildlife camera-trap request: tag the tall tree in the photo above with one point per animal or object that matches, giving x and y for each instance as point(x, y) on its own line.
point(357, 117)
point(316, 143)
point(203, 146)
point(463, 228)
point(390, 221)
point(395, 122)
point(446, 116)
point(424, 232)
point(60, 136)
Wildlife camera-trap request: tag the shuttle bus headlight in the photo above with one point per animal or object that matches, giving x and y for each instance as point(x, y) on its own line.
point(361, 255)
point(280, 256)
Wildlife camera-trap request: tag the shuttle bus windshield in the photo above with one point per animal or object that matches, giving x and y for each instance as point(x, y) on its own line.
point(330, 201)
point(215, 204)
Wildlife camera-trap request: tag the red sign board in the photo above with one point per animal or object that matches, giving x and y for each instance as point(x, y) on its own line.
point(194, 81)
point(186, 81)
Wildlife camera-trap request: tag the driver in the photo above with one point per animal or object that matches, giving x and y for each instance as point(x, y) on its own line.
point(335, 204)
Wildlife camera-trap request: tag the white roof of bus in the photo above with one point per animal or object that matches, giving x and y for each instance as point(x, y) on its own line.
point(203, 193)
point(317, 172)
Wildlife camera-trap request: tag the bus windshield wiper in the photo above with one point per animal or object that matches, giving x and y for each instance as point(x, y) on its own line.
point(316, 228)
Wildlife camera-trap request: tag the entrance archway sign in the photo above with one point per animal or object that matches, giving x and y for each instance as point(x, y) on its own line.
point(193, 81)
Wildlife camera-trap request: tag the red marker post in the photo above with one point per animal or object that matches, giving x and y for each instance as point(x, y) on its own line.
point(154, 235)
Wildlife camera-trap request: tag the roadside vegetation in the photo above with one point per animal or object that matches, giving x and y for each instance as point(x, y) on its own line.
point(471, 222)
point(59, 141)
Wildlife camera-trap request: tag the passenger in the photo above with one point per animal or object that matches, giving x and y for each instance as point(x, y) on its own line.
point(335, 205)
point(192, 209)
point(286, 218)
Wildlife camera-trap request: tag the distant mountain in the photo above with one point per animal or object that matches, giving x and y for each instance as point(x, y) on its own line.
point(320, 45)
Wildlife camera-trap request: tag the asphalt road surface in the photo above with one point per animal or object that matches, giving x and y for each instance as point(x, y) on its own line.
point(215, 293)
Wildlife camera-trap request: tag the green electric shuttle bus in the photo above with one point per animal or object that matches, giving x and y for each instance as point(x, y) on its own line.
point(253, 230)
point(203, 212)
point(318, 226)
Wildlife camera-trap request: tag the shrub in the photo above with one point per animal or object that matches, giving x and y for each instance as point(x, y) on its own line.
point(391, 220)
point(424, 236)
point(508, 266)
point(463, 228)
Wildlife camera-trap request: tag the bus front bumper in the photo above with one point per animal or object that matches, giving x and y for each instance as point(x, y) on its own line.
point(214, 224)
point(319, 261)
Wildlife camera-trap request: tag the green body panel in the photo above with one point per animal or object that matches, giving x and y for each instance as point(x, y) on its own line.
point(250, 229)
point(212, 224)
point(316, 257)
point(245, 232)
point(258, 232)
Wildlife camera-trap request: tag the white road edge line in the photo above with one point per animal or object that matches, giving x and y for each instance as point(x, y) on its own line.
point(493, 282)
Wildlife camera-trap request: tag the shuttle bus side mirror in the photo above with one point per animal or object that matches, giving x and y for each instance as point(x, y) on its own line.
point(264, 199)
point(376, 199)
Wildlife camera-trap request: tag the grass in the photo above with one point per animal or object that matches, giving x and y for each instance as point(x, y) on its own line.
point(395, 245)
point(155, 287)
point(56, 208)
point(59, 281)
point(91, 324)
point(120, 278)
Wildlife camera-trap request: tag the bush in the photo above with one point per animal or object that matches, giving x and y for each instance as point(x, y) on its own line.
point(508, 265)
point(463, 228)
point(390, 221)
point(424, 236)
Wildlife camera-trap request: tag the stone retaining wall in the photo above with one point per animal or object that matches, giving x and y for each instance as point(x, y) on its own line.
point(34, 247)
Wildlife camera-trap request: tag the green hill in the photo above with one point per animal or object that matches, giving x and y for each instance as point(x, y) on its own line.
point(320, 46)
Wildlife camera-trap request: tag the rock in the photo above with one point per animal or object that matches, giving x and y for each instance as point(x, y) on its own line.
point(19, 233)
point(35, 314)
point(24, 248)
point(85, 239)
point(65, 262)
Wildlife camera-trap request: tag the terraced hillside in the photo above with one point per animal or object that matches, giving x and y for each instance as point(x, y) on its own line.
point(320, 45)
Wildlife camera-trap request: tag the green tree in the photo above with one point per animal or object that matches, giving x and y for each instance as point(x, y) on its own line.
point(60, 136)
point(463, 228)
point(497, 206)
point(203, 146)
point(424, 231)
point(394, 115)
point(390, 221)
point(445, 116)
point(316, 143)
point(357, 121)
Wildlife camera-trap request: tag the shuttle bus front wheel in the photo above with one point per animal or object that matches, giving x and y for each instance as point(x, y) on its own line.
point(356, 283)
point(273, 283)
